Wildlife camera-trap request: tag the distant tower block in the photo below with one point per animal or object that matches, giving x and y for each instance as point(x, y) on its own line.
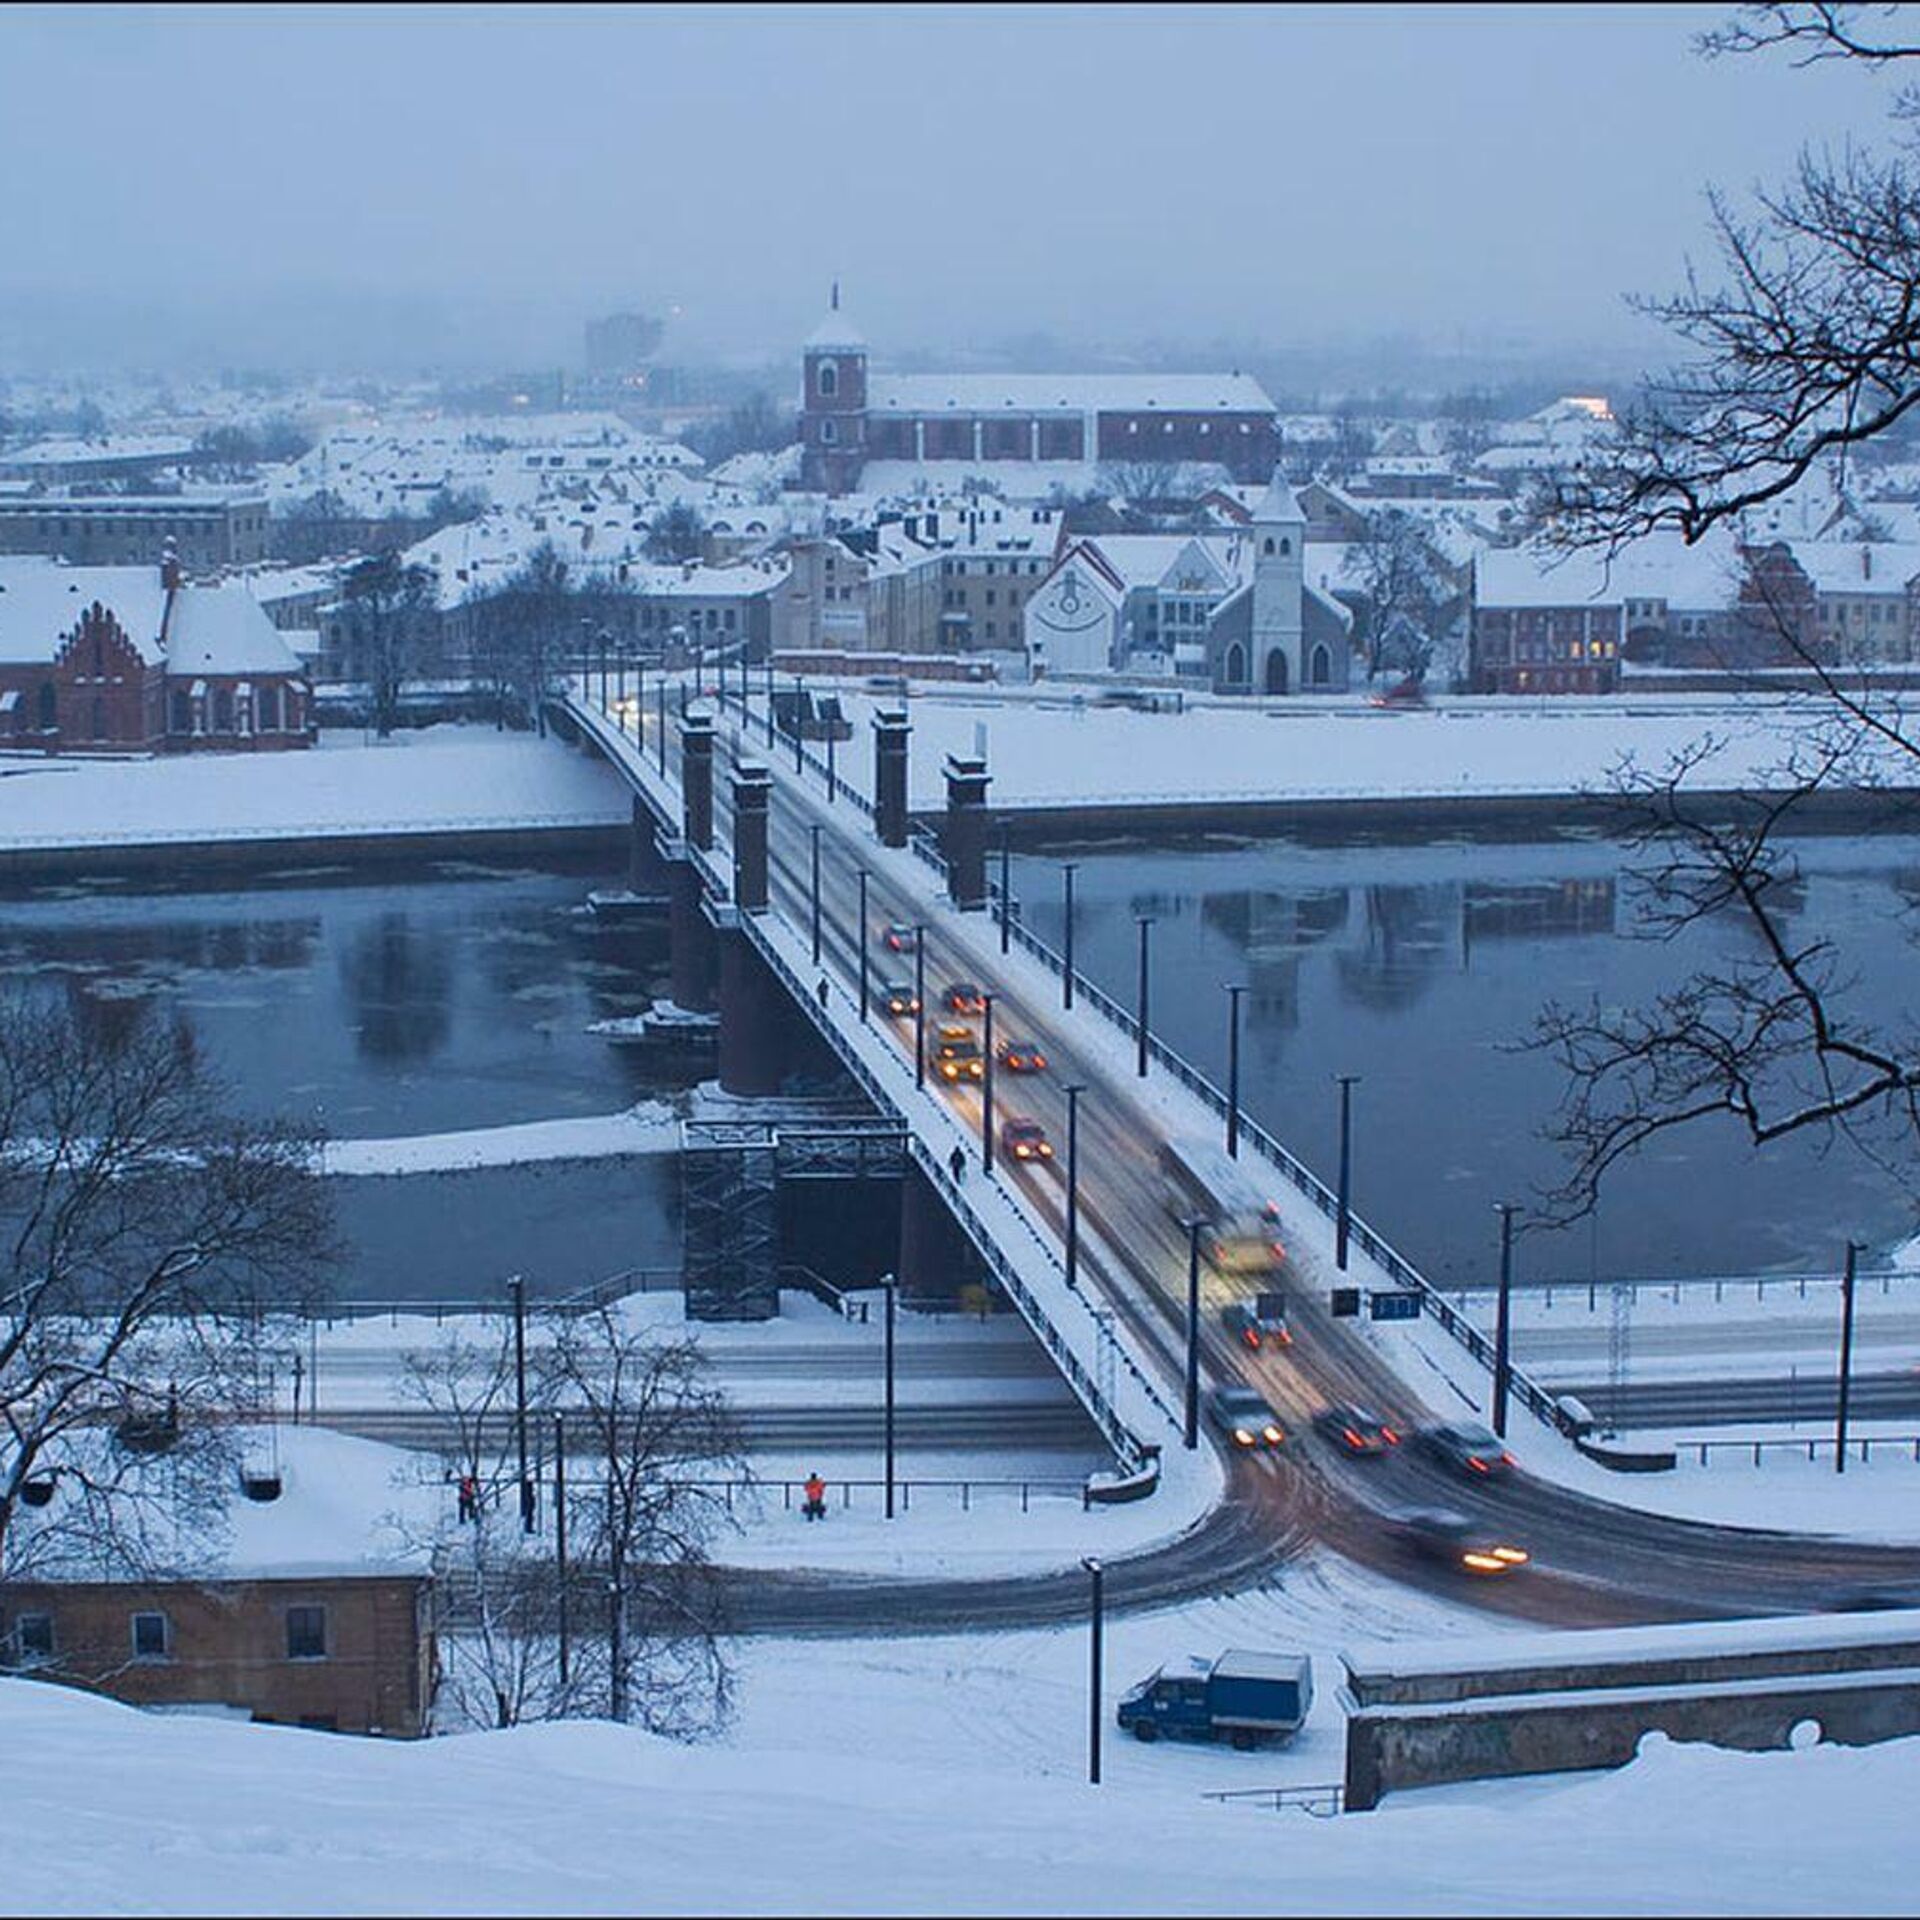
point(890, 730)
point(696, 779)
point(966, 830)
point(752, 791)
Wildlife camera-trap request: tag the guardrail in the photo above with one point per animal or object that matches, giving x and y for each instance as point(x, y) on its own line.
point(1323, 1802)
point(588, 1299)
point(1860, 1448)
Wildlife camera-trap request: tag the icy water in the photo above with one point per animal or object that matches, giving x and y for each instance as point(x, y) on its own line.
point(1417, 968)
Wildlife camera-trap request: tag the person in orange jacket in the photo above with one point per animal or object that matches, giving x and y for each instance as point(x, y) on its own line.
point(816, 1490)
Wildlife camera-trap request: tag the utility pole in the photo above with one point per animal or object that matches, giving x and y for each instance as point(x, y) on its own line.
point(1140, 1062)
point(560, 1541)
point(1503, 1319)
point(1192, 1432)
point(1846, 1357)
point(1006, 885)
point(986, 1090)
point(889, 1284)
point(813, 833)
point(1094, 1568)
point(518, 1287)
point(860, 935)
point(919, 1005)
point(1067, 870)
point(799, 708)
point(1343, 1218)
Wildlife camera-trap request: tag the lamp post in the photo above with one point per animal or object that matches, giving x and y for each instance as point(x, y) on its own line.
point(1846, 1358)
point(661, 727)
point(986, 1089)
point(1234, 991)
point(605, 638)
point(769, 696)
point(799, 695)
point(1192, 1430)
point(1073, 1092)
point(1006, 885)
point(888, 1284)
point(560, 1540)
point(518, 1288)
point(813, 833)
point(1067, 870)
point(832, 778)
point(860, 935)
point(919, 1005)
point(1342, 1218)
point(1095, 1570)
point(1503, 1319)
point(1140, 1061)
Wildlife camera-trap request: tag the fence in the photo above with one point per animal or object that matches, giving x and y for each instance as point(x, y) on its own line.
point(1321, 1801)
point(1860, 1449)
point(792, 1492)
point(1598, 1292)
point(601, 1293)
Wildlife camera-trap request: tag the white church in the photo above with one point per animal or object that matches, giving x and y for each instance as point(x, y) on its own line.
point(1230, 612)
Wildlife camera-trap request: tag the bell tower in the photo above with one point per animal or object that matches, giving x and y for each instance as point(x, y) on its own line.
point(833, 404)
point(1279, 590)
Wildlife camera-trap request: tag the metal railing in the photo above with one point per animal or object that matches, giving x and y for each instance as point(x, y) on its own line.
point(1323, 1802)
point(1860, 1448)
point(587, 1299)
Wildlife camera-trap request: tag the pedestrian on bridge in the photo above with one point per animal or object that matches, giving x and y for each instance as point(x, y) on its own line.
point(820, 992)
point(816, 1491)
point(957, 1161)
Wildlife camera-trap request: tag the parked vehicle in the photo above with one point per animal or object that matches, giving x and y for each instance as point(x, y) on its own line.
point(1025, 1140)
point(898, 996)
point(1467, 1447)
point(1457, 1540)
point(1021, 1056)
point(1242, 1414)
point(962, 996)
point(1259, 1322)
point(957, 1055)
point(1241, 1234)
point(1357, 1432)
point(1248, 1698)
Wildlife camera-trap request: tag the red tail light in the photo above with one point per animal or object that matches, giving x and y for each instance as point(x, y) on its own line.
point(1479, 1466)
point(1389, 1436)
point(1507, 1460)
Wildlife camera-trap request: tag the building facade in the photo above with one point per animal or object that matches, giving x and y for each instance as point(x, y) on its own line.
point(207, 531)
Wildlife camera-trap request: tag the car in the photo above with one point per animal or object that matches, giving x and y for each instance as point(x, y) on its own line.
point(1021, 1056)
point(1242, 1414)
point(957, 1055)
point(1258, 1323)
point(1456, 1540)
point(1466, 1447)
point(897, 937)
point(1025, 1140)
point(1357, 1432)
point(962, 996)
point(898, 996)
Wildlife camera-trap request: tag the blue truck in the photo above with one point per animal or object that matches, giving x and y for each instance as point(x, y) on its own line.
point(1248, 1698)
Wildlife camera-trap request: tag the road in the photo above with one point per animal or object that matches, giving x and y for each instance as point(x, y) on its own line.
point(1594, 1562)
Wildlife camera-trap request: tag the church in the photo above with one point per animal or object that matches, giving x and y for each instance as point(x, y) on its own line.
point(1232, 612)
point(852, 418)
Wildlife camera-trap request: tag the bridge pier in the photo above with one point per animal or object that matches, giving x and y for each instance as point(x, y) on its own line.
point(646, 870)
point(964, 839)
point(692, 953)
point(890, 730)
point(754, 1018)
point(936, 1257)
point(696, 780)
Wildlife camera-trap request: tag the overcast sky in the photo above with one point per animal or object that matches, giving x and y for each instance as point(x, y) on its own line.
point(231, 181)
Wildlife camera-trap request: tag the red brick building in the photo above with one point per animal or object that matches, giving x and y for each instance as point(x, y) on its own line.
point(135, 660)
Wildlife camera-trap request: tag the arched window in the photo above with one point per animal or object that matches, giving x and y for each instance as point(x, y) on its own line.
point(828, 433)
point(49, 707)
point(829, 380)
point(1320, 667)
point(223, 709)
point(269, 709)
point(1235, 674)
point(1268, 548)
point(1286, 545)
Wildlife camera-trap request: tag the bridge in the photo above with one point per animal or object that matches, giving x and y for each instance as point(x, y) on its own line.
point(779, 874)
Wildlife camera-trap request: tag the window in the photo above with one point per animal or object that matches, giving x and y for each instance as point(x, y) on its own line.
point(32, 1638)
point(1286, 545)
point(828, 433)
point(306, 1633)
point(150, 1636)
point(829, 380)
point(49, 707)
point(1268, 548)
point(989, 596)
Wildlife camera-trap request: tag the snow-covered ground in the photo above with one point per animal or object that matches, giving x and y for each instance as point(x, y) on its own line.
point(650, 1127)
point(935, 1776)
point(437, 780)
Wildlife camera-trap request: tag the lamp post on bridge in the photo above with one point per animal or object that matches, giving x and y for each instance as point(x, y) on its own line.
point(1140, 1062)
point(769, 696)
point(1095, 1570)
point(1343, 1217)
point(1234, 991)
point(661, 727)
point(1846, 1358)
point(814, 831)
point(986, 1089)
point(1503, 1319)
point(605, 638)
point(1191, 1433)
point(889, 1284)
point(919, 1005)
point(799, 694)
point(860, 936)
point(1073, 1090)
point(1006, 885)
point(1067, 870)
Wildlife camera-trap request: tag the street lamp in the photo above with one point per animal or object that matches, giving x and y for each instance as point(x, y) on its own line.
point(1503, 1318)
point(832, 778)
point(919, 1005)
point(1140, 1063)
point(1343, 1217)
point(661, 728)
point(769, 696)
point(1067, 870)
point(860, 935)
point(799, 696)
point(606, 662)
point(1846, 1358)
point(1234, 991)
point(888, 1283)
point(560, 1541)
point(1073, 1091)
point(1193, 1227)
point(1006, 885)
point(518, 1288)
point(986, 1089)
point(1095, 1570)
point(813, 833)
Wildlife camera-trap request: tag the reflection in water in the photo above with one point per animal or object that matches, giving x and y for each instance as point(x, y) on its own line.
point(400, 980)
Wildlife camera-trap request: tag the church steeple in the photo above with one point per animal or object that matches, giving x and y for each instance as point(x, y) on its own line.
point(833, 411)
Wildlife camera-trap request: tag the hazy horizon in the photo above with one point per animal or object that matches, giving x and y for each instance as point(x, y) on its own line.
point(343, 187)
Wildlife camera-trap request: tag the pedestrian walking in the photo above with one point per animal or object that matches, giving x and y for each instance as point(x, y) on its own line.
point(820, 992)
point(469, 1498)
point(957, 1161)
point(816, 1491)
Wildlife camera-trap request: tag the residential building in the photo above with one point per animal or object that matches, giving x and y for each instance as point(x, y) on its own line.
point(209, 528)
point(1545, 623)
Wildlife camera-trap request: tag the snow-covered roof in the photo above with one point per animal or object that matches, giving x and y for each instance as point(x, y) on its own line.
point(123, 446)
point(41, 602)
point(836, 334)
point(223, 630)
point(1154, 559)
point(1533, 577)
point(1279, 502)
point(1853, 566)
point(1066, 393)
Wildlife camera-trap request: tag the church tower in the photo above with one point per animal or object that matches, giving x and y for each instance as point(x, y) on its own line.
point(833, 404)
point(1279, 591)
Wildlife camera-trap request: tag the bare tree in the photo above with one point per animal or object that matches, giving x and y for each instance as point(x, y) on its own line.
point(391, 621)
point(1407, 585)
point(145, 1235)
point(678, 535)
point(1808, 348)
point(525, 629)
point(652, 1428)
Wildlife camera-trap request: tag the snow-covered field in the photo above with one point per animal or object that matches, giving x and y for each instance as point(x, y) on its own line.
point(437, 780)
point(938, 1776)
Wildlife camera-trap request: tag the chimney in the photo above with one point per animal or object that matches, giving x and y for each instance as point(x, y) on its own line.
point(169, 566)
point(1866, 562)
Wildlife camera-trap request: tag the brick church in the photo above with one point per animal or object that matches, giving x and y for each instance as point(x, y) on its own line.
point(851, 417)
